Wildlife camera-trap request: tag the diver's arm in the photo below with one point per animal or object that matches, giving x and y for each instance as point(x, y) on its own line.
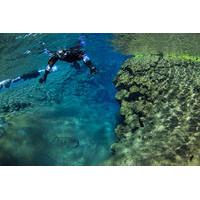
point(51, 63)
point(89, 64)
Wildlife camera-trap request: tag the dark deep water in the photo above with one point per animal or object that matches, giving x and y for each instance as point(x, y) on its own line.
point(68, 121)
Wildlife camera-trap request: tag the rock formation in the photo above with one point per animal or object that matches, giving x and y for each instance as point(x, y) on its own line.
point(160, 112)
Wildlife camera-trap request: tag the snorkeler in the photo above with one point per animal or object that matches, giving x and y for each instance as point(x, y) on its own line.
point(71, 55)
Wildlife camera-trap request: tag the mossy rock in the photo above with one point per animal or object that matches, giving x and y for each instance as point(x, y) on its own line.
point(161, 126)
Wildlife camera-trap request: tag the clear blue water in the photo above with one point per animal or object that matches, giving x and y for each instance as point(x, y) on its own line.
point(72, 117)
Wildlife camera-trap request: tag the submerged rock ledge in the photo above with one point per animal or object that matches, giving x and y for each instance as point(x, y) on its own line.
point(160, 109)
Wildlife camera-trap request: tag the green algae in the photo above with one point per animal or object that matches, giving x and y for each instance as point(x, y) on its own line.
point(159, 97)
point(174, 57)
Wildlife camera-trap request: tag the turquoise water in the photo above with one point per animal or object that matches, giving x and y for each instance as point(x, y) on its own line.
point(68, 121)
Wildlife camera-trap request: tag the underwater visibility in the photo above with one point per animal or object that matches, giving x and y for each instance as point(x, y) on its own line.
point(99, 99)
point(69, 119)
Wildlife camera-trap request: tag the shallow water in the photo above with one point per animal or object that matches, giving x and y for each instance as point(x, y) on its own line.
point(68, 121)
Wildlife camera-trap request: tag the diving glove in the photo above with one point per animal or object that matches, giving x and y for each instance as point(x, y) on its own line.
point(44, 77)
point(42, 80)
point(93, 70)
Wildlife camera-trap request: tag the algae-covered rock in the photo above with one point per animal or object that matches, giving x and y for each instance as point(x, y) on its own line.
point(160, 108)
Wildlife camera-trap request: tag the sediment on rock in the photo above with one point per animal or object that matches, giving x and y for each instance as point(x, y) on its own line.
point(160, 110)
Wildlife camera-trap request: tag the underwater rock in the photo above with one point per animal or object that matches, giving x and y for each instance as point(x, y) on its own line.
point(160, 111)
point(15, 106)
